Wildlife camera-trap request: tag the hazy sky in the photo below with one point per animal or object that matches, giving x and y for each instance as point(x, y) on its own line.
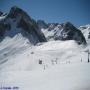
point(75, 11)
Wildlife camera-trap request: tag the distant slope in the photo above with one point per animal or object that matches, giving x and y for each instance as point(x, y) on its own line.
point(11, 47)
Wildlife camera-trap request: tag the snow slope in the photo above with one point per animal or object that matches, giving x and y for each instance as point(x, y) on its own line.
point(60, 77)
point(10, 47)
point(23, 70)
point(60, 51)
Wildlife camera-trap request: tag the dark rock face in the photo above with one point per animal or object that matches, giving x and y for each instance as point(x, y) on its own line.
point(17, 19)
point(69, 32)
point(3, 27)
point(42, 24)
point(1, 13)
point(32, 29)
point(15, 11)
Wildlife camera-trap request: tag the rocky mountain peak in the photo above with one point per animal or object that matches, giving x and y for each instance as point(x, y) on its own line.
point(20, 22)
point(15, 11)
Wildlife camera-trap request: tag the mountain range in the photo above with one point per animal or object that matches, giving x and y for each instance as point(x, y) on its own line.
point(18, 21)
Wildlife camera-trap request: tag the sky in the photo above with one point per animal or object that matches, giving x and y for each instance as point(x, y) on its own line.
point(53, 11)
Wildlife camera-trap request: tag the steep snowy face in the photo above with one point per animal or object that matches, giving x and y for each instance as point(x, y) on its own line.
point(18, 21)
point(64, 31)
point(86, 31)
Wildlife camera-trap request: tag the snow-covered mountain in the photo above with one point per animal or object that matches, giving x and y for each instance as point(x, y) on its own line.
point(18, 21)
point(28, 62)
point(64, 31)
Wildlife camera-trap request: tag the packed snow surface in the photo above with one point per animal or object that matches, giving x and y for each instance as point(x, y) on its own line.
point(64, 65)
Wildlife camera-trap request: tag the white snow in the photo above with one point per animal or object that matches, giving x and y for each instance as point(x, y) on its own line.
point(22, 69)
point(59, 77)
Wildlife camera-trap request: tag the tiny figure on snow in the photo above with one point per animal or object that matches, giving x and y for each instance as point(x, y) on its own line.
point(40, 61)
